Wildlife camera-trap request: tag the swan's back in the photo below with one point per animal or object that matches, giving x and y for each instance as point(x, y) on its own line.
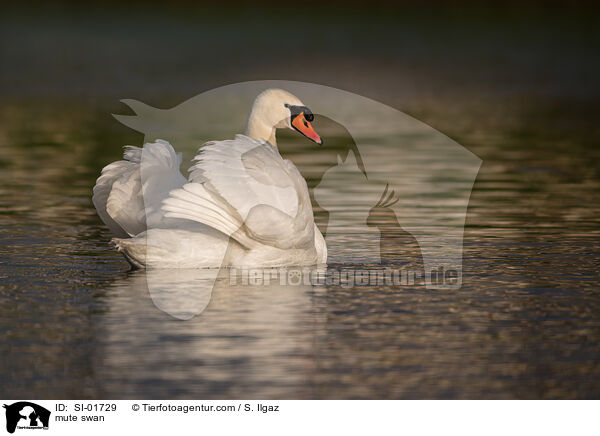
point(243, 188)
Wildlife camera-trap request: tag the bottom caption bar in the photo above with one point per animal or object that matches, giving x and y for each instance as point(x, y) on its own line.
point(264, 417)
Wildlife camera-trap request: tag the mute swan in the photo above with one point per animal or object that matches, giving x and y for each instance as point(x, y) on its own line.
point(243, 205)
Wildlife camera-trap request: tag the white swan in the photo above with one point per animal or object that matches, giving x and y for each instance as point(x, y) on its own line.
point(243, 205)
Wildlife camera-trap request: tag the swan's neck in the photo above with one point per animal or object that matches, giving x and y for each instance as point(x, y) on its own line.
point(257, 128)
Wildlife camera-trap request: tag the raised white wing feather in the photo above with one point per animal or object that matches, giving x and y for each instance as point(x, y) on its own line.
point(129, 193)
point(119, 185)
point(244, 189)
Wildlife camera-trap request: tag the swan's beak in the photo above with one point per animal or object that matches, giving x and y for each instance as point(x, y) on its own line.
point(303, 126)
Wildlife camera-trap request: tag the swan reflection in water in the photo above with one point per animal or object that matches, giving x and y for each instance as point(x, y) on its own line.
point(182, 293)
point(242, 333)
point(186, 292)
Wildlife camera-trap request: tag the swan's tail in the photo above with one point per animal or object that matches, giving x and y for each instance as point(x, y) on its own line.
point(139, 254)
point(134, 252)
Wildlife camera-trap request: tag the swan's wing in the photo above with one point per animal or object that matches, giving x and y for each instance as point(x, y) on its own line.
point(244, 188)
point(246, 173)
point(129, 193)
point(118, 186)
point(159, 171)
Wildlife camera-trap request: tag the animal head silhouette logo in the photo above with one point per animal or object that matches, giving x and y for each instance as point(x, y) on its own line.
point(26, 415)
point(396, 191)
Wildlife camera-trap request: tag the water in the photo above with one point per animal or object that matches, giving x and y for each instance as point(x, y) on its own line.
point(75, 322)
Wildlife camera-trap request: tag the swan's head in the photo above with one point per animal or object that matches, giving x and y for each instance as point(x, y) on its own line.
point(278, 109)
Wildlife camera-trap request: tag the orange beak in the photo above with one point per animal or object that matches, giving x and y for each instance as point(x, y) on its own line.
point(300, 124)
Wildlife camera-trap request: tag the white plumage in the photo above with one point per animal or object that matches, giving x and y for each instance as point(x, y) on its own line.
point(243, 205)
point(119, 184)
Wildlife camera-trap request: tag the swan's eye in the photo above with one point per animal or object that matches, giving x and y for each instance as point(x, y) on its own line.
point(297, 110)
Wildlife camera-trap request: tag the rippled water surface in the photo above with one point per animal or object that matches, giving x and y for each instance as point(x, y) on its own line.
point(75, 322)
